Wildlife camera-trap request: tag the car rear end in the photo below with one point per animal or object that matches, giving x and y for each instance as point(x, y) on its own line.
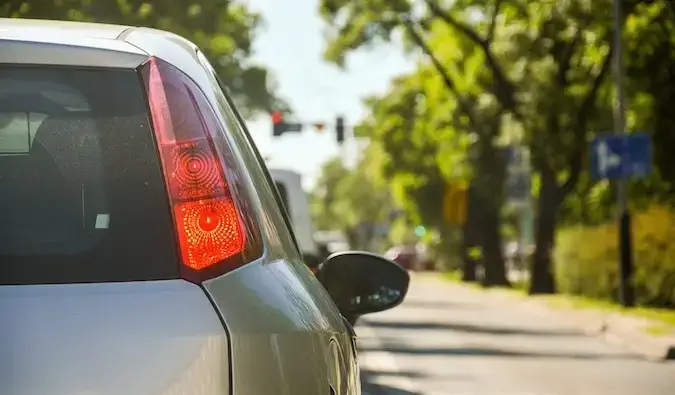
point(120, 197)
point(404, 256)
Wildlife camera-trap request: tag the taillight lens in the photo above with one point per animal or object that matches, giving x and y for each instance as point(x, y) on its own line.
point(215, 228)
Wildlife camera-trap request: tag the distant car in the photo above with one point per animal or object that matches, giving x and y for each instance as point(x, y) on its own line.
point(294, 197)
point(406, 256)
point(144, 248)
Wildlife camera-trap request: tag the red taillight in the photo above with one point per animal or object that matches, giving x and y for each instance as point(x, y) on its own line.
point(214, 228)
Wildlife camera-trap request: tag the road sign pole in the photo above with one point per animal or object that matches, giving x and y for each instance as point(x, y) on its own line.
point(625, 231)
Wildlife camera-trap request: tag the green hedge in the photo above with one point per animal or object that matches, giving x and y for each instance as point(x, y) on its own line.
point(587, 263)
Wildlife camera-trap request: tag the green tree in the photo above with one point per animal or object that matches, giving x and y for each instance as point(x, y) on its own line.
point(223, 29)
point(548, 61)
point(649, 37)
point(355, 202)
point(354, 24)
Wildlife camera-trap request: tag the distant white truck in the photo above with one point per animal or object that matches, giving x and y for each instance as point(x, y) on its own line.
point(332, 241)
point(289, 185)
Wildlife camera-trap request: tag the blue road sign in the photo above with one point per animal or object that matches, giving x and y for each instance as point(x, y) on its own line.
point(621, 156)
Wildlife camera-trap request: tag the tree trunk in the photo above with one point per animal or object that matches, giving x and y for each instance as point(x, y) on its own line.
point(542, 276)
point(491, 242)
point(468, 264)
point(469, 237)
point(490, 179)
point(468, 261)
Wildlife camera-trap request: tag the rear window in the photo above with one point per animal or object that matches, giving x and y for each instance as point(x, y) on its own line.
point(82, 197)
point(283, 192)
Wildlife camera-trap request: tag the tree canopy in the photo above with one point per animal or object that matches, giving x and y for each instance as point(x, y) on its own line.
point(223, 29)
point(512, 72)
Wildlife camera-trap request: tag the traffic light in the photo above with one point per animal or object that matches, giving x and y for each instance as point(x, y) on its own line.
point(278, 125)
point(340, 129)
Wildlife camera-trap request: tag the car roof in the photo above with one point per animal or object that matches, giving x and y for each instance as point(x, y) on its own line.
point(51, 29)
point(51, 42)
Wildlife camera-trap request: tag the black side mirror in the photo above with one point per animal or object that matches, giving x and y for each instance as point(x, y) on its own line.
point(362, 283)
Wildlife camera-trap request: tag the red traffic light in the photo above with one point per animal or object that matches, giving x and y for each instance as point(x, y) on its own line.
point(277, 117)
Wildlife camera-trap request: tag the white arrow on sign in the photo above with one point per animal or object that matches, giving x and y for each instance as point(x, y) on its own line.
point(606, 158)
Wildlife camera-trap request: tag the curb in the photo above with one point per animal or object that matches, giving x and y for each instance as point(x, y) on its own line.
point(650, 347)
point(615, 329)
point(622, 331)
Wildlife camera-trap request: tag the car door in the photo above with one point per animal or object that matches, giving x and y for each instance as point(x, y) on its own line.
point(316, 352)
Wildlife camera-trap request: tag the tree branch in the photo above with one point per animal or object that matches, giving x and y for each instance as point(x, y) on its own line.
point(447, 80)
point(520, 8)
point(585, 111)
point(493, 21)
point(588, 104)
point(504, 90)
point(565, 60)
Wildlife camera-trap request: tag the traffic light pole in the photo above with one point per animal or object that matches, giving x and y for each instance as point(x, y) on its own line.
point(626, 292)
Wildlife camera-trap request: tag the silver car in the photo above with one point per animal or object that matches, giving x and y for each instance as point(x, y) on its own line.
point(143, 250)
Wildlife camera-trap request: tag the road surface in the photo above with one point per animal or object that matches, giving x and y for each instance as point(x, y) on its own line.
point(446, 340)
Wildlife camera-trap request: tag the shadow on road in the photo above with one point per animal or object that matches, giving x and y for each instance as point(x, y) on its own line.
point(369, 387)
point(368, 373)
point(437, 305)
point(468, 328)
point(491, 352)
point(377, 389)
point(369, 381)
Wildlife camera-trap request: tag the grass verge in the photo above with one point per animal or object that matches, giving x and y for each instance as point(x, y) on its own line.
point(664, 319)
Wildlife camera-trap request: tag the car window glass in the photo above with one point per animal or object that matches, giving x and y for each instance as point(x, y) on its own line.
point(82, 194)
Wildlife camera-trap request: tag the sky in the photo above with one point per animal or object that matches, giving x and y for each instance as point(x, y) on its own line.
point(291, 45)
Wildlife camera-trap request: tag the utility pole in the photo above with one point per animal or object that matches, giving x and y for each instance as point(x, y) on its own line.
point(626, 292)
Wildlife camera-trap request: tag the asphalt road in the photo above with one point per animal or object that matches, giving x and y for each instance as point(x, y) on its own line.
point(446, 340)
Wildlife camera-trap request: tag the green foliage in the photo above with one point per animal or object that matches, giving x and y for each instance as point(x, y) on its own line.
point(345, 200)
point(587, 261)
point(515, 71)
point(223, 29)
point(353, 24)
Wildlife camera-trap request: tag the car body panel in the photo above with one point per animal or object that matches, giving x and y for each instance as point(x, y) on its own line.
point(279, 330)
point(284, 331)
point(171, 48)
point(288, 317)
point(151, 338)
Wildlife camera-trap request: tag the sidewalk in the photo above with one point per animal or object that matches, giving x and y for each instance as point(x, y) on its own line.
point(629, 332)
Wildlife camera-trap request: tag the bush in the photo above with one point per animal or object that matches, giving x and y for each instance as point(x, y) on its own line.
point(587, 259)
